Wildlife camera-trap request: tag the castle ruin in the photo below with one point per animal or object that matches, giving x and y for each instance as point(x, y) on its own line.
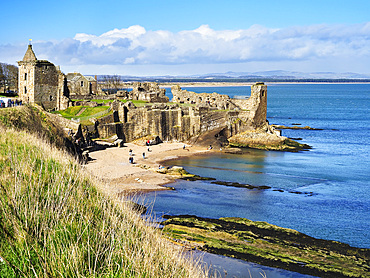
point(42, 83)
point(176, 122)
point(191, 117)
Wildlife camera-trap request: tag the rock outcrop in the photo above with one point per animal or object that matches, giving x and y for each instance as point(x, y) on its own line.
point(266, 139)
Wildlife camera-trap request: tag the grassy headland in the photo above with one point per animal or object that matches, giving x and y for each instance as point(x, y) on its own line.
point(56, 222)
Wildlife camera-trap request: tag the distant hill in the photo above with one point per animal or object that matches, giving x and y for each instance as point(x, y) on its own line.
point(260, 76)
point(281, 74)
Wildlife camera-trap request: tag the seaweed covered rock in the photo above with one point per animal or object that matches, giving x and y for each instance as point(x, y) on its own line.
point(270, 245)
point(260, 139)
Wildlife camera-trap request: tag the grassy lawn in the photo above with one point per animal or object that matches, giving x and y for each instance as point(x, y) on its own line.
point(72, 112)
point(102, 100)
point(137, 103)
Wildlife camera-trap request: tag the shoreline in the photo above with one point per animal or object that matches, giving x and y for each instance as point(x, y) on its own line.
point(130, 179)
point(111, 166)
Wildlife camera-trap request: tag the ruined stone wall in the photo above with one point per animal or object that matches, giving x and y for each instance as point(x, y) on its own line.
point(63, 101)
point(258, 102)
point(222, 102)
point(46, 85)
point(212, 119)
point(210, 100)
point(26, 81)
point(107, 119)
point(164, 123)
point(170, 123)
point(148, 91)
point(173, 123)
point(108, 130)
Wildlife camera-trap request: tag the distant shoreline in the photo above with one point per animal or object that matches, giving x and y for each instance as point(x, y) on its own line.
point(240, 84)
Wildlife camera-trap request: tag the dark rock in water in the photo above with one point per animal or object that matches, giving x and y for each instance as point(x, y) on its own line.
point(295, 127)
point(296, 192)
point(300, 192)
point(197, 178)
point(236, 184)
point(233, 150)
point(263, 187)
point(139, 208)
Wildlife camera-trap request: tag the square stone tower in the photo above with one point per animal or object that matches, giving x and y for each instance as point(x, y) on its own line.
point(41, 82)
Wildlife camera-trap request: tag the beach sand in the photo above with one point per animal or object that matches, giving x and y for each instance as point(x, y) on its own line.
point(112, 167)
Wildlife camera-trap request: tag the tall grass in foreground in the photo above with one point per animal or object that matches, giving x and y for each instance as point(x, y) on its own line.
point(54, 222)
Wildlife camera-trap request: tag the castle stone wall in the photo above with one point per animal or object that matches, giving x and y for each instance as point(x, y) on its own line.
point(174, 123)
point(256, 104)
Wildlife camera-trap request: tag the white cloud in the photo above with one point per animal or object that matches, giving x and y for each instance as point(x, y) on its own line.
point(136, 46)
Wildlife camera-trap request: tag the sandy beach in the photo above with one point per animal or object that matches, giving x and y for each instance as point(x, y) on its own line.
point(111, 165)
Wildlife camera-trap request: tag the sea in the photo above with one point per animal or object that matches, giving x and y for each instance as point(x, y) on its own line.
point(322, 192)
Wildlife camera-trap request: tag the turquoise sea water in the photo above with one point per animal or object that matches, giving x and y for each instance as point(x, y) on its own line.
point(333, 176)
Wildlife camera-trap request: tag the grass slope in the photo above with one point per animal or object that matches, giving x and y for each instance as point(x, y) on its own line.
point(55, 222)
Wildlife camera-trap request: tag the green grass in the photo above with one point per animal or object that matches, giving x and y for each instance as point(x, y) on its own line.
point(87, 113)
point(102, 100)
point(137, 103)
point(72, 112)
point(56, 221)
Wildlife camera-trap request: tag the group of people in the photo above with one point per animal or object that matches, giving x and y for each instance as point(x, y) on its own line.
point(131, 156)
point(7, 102)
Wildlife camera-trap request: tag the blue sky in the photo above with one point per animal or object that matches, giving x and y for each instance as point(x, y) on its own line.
point(190, 37)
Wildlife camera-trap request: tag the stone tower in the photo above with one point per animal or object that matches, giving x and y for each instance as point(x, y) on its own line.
point(41, 82)
point(258, 104)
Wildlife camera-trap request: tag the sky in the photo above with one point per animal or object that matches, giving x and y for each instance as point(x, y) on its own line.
point(189, 37)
